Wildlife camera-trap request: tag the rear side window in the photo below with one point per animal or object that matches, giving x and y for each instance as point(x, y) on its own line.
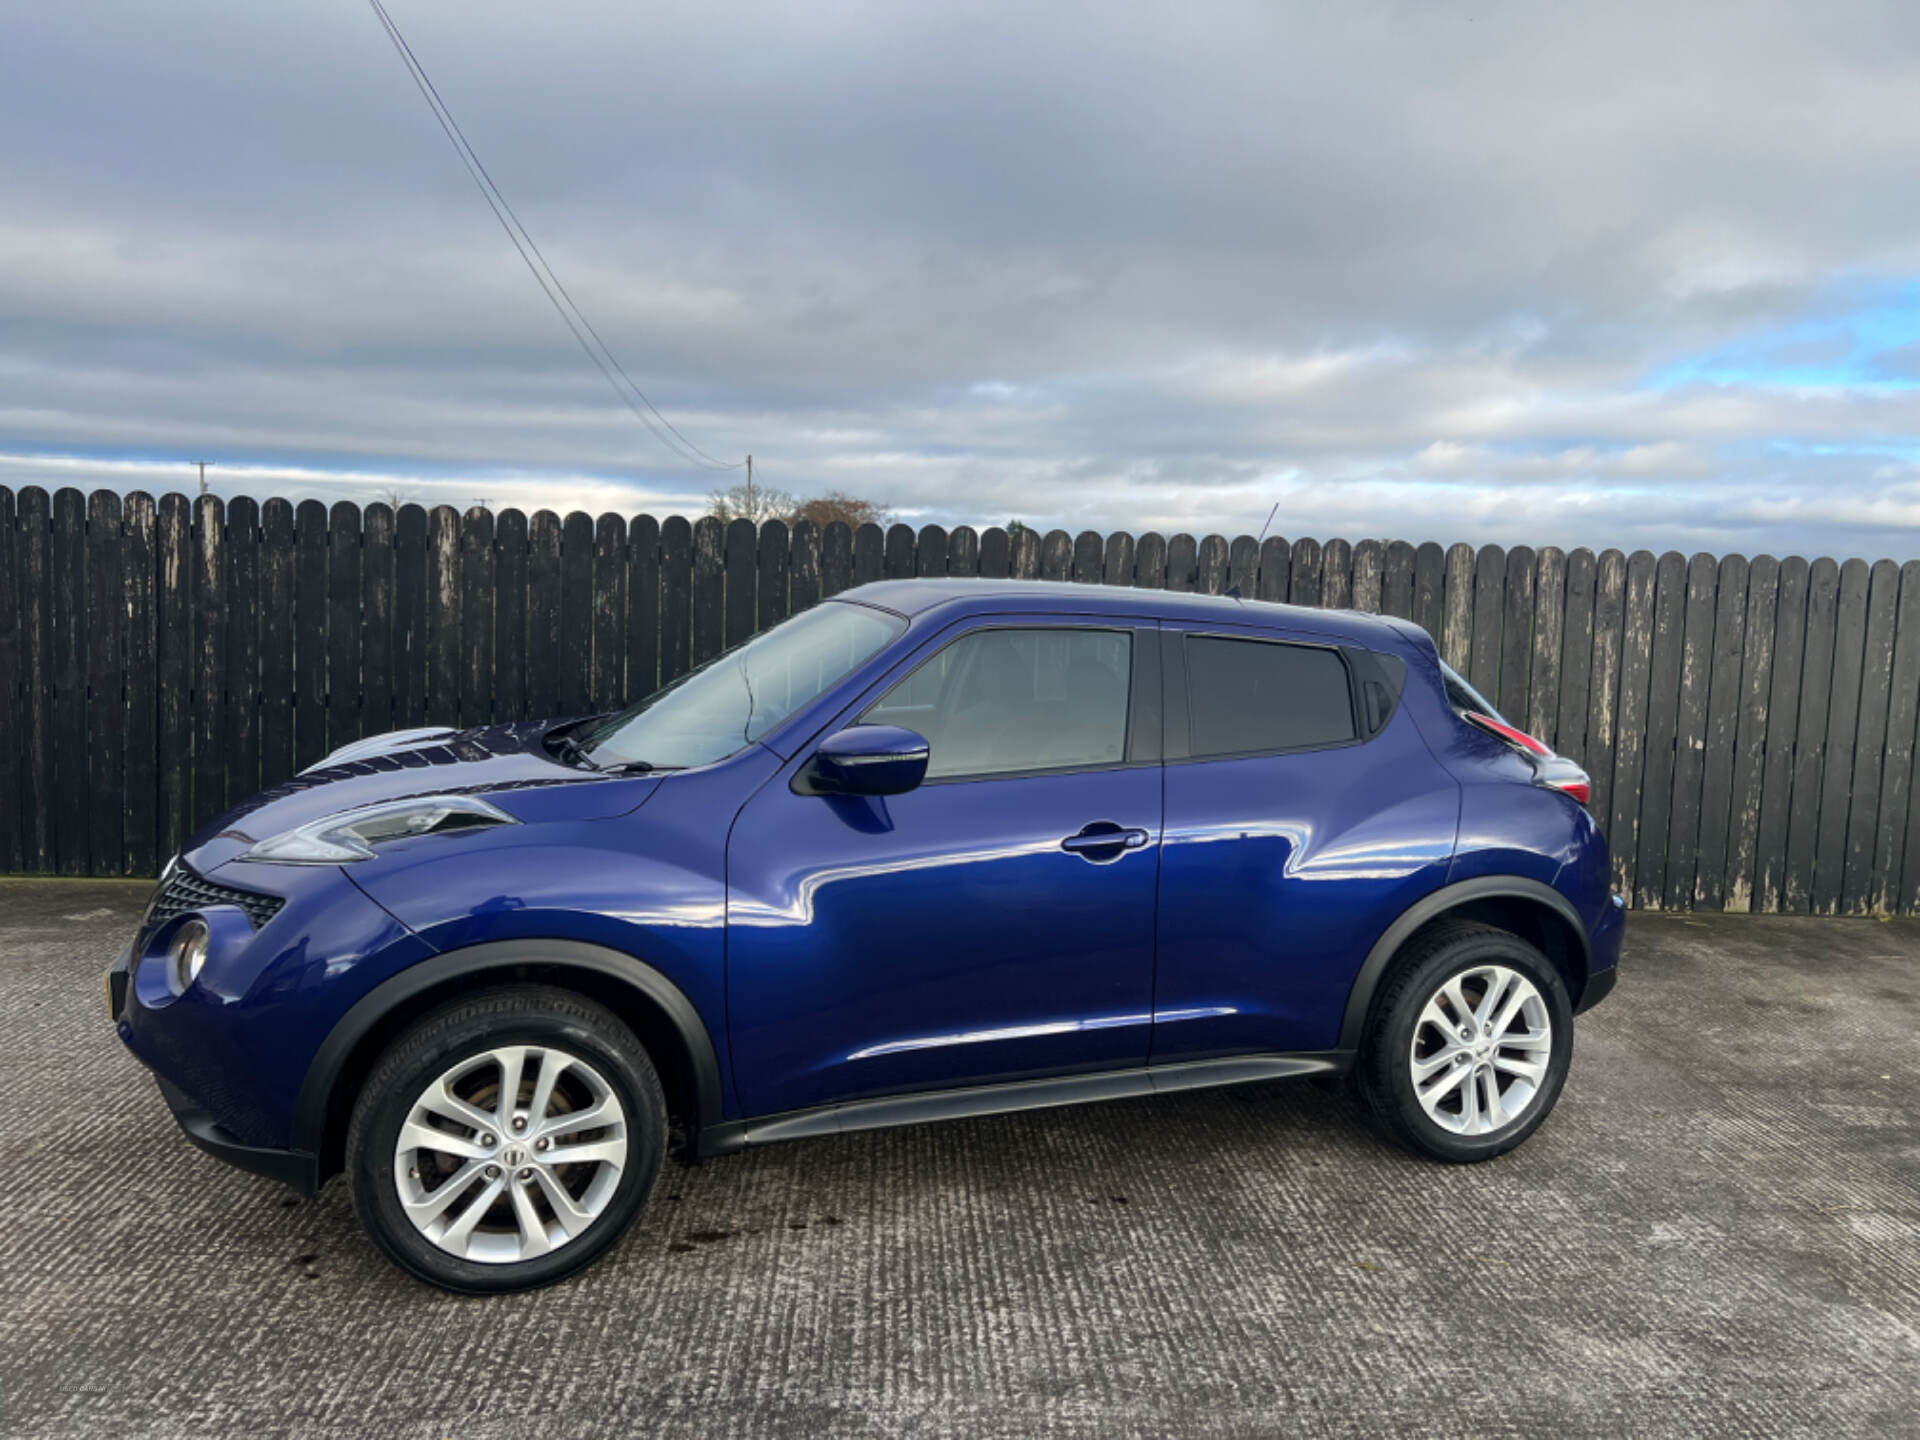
point(1462, 696)
point(1247, 695)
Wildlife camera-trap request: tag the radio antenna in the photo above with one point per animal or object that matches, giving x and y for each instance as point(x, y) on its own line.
point(1233, 591)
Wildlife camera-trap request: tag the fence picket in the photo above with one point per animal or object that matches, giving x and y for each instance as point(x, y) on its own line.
point(1602, 721)
point(676, 598)
point(242, 663)
point(1843, 718)
point(1336, 575)
point(1547, 623)
point(1183, 563)
point(476, 616)
point(741, 560)
point(608, 677)
point(409, 617)
point(343, 624)
point(1897, 790)
point(1715, 742)
point(12, 693)
point(1369, 569)
point(510, 562)
point(1516, 635)
point(173, 621)
point(643, 609)
point(575, 679)
point(772, 584)
point(1816, 688)
point(278, 622)
point(930, 553)
point(544, 532)
point(444, 600)
point(1870, 745)
point(1304, 571)
point(963, 551)
point(139, 697)
point(106, 624)
point(1750, 734)
point(68, 738)
point(1452, 607)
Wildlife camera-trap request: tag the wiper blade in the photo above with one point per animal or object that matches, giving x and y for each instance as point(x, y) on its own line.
point(573, 752)
point(637, 767)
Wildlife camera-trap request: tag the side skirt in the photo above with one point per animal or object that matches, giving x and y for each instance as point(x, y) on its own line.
point(889, 1110)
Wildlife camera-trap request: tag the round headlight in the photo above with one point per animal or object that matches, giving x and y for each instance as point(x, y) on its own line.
point(187, 955)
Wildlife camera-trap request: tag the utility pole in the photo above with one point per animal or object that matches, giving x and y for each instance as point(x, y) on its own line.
point(203, 473)
point(752, 514)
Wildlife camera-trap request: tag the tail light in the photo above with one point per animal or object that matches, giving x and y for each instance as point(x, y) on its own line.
point(1553, 771)
point(1577, 785)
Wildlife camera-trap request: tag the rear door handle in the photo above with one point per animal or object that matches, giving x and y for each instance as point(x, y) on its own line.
point(1104, 840)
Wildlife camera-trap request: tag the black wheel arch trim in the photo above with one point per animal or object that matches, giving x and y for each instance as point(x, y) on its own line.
point(1447, 897)
point(323, 1073)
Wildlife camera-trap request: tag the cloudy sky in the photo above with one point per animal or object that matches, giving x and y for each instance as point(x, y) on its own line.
point(1611, 273)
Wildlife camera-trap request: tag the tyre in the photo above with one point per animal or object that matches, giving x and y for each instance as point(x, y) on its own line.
point(1468, 1045)
point(506, 1141)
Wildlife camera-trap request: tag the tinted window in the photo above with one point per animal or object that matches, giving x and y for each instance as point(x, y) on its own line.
point(1257, 695)
point(1005, 700)
point(1463, 696)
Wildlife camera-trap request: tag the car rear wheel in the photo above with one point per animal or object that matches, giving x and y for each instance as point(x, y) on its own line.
point(1469, 1044)
point(506, 1141)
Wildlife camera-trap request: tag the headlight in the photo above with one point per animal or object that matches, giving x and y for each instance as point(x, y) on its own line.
point(352, 835)
point(186, 955)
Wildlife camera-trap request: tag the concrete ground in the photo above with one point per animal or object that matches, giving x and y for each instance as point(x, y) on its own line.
point(1718, 1231)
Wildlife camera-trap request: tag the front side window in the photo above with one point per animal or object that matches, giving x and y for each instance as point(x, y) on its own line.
point(999, 702)
point(1254, 695)
point(739, 695)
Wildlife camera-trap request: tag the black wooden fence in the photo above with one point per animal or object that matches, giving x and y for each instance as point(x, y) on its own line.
point(1749, 724)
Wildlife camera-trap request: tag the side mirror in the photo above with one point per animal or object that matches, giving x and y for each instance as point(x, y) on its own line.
point(865, 760)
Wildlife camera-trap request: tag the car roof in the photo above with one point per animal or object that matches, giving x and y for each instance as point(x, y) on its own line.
point(914, 598)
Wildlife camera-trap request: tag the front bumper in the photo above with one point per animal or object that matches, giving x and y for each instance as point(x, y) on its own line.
point(233, 1049)
point(289, 1167)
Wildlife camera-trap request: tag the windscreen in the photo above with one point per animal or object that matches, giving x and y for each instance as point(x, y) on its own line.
point(742, 693)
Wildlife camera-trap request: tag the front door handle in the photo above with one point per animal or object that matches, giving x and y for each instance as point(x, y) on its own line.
point(1103, 840)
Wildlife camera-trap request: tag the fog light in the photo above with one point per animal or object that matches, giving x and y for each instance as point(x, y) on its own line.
point(186, 955)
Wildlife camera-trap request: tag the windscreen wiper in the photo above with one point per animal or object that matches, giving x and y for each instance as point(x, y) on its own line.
point(573, 752)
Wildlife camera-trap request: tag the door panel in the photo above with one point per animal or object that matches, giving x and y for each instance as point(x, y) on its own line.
point(1278, 871)
point(950, 935)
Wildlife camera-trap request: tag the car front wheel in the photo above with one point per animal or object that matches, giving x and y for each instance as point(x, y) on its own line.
point(506, 1141)
point(1469, 1045)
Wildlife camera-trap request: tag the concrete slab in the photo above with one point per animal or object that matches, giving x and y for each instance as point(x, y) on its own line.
point(1717, 1232)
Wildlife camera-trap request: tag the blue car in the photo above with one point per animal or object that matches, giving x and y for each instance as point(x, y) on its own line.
point(929, 849)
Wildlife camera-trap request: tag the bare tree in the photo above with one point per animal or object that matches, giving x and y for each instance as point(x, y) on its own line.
point(758, 503)
point(823, 510)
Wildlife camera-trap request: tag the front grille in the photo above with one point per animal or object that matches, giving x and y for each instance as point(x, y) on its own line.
point(183, 891)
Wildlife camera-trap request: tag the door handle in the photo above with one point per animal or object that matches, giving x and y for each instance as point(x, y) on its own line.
point(1103, 840)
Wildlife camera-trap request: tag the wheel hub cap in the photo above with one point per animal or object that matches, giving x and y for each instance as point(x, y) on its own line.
point(565, 1144)
point(1480, 1052)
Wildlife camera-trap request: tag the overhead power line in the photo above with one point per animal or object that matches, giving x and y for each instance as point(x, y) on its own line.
point(570, 313)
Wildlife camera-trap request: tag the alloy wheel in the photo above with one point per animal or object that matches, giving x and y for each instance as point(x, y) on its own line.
point(1481, 1049)
point(511, 1154)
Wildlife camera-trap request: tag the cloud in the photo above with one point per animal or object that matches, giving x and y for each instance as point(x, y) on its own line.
point(1625, 274)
